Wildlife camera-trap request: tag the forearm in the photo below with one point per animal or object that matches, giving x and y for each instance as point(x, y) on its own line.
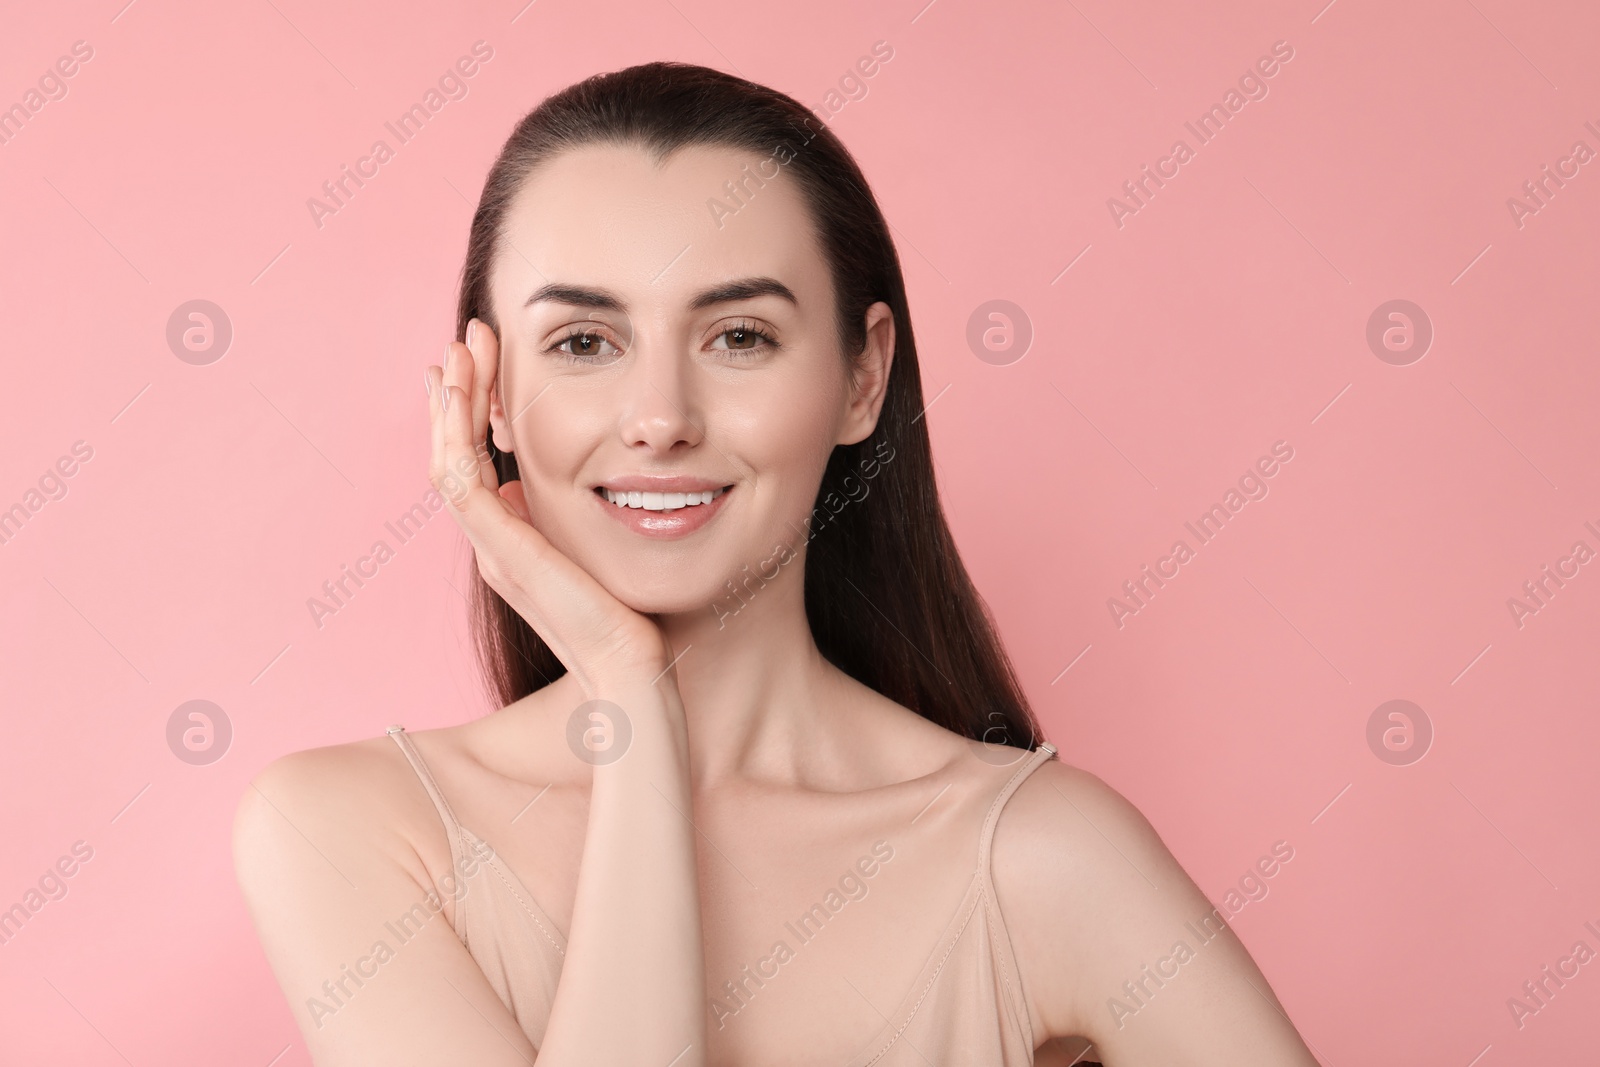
point(632, 984)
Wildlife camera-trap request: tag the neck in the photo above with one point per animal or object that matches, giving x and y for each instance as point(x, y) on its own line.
point(754, 685)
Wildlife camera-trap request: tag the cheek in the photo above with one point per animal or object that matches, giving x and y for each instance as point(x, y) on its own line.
point(555, 422)
point(787, 432)
point(554, 435)
point(547, 439)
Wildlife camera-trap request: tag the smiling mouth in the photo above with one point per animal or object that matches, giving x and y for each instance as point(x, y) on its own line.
point(658, 501)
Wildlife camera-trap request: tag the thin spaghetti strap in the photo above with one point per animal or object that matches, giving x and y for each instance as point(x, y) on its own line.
point(452, 827)
point(1004, 955)
point(1046, 751)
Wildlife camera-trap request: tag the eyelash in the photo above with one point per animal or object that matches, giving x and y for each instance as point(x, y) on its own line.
point(741, 354)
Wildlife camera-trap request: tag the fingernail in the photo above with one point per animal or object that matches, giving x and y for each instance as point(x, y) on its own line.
point(427, 382)
point(472, 332)
point(445, 404)
point(445, 363)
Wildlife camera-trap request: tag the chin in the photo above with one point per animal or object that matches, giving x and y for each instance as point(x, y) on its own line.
point(670, 596)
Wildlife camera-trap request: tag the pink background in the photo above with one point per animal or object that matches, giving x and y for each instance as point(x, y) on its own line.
point(1230, 312)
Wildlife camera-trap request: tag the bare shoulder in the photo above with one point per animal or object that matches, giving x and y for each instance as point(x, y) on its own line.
point(343, 780)
point(333, 771)
point(1108, 926)
point(358, 802)
point(1065, 822)
point(338, 852)
point(1070, 851)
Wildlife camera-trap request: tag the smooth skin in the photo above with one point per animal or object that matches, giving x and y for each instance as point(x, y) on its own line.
point(757, 772)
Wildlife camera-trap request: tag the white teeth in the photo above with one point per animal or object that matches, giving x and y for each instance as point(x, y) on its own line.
point(659, 501)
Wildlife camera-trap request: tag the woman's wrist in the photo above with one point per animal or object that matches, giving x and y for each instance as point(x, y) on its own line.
point(645, 727)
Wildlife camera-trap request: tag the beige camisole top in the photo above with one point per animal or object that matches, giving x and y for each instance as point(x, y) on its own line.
point(966, 1006)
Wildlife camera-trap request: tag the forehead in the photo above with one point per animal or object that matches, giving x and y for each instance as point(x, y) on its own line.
point(609, 215)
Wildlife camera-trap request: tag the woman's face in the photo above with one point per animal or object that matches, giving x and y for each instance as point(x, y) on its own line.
point(646, 349)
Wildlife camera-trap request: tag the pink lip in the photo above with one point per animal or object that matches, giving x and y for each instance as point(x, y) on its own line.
point(663, 525)
point(660, 483)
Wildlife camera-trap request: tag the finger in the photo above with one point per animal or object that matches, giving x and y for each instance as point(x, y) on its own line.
point(460, 469)
point(484, 350)
point(457, 369)
point(459, 464)
point(433, 375)
point(461, 375)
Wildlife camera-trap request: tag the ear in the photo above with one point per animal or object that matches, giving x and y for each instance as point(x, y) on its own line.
point(869, 377)
point(499, 424)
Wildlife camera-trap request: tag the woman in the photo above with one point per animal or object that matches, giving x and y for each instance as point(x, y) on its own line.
point(742, 802)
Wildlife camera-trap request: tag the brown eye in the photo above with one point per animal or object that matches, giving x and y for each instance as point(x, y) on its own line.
point(584, 346)
point(743, 339)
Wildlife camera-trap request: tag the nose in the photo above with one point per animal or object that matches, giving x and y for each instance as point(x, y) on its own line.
point(659, 412)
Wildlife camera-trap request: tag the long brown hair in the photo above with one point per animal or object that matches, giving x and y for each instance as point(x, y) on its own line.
point(886, 596)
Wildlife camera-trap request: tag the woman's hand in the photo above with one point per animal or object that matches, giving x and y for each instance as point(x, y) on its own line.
point(603, 642)
point(635, 936)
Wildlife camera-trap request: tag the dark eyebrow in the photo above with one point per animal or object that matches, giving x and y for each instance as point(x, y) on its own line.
point(600, 299)
point(576, 295)
point(743, 289)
